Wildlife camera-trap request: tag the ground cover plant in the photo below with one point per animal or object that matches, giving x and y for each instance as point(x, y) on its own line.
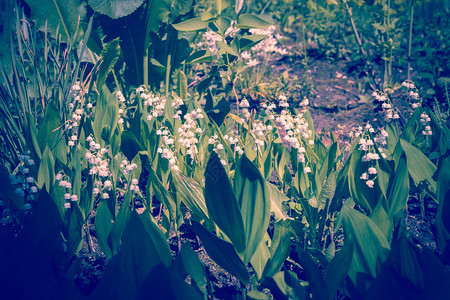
point(181, 150)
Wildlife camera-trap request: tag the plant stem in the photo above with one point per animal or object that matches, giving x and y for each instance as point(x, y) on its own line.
point(410, 39)
point(361, 49)
point(145, 68)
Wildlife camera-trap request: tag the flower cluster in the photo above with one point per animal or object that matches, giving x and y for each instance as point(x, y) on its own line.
point(190, 131)
point(24, 181)
point(167, 148)
point(121, 101)
point(65, 183)
point(76, 93)
point(387, 106)
point(127, 167)
point(425, 121)
point(413, 94)
point(217, 145)
point(244, 107)
point(72, 126)
point(154, 103)
point(259, 129)
point(98, 163)
point(176, 103)
point(295, 127)
point(370, 156)
point(234, 141)
point(269, 45)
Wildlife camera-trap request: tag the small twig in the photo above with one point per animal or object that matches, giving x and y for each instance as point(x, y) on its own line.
point(410, 39)
point(361, 49)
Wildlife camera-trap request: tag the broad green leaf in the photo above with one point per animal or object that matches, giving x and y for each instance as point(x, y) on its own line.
point(162, 284)
point(419, 166)
point(198, 57)
point(31, 137)
point(194, 266)
point(260, 258)
point(143, 245)
point(163, 194)
point(103, 226)
point(371, 246)
point(222, 205)
point(224, 48)
point(49, 131)
point(194, 24)
point(248, 41)
point(219, 112)
point(328, 189)
point(221, 5)
point(254, 200)
point(223, 253)
point(115, 8)
point(277, 199)
point(443, 213)
point(191, 194)
point(158, 11)
point(338, 268)
point(60, 16)
point(318, 285)
point(182, 85)
point(399, 189)
point(130, 146)
point(247, 21)
point(256, 295)
point(279, 250)
point(108, 58)
point(75, 230)
point(46, 174)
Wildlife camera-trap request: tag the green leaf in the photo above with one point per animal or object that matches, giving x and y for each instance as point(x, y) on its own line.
point(223, 253)
point(162, 284)
point(419, 166)
point(371, 246)
point(194, 24)
point(319, 288)
point(58, 16)
point(256, 295)
point(221, 5)
point(279, 250)
point(158, 11)
point(163, 194)
point(399, 189)
point(254, 200)
point(182, 85)
point(46, 173)
point(199, 57)
point(247, 21)
point(130, 146)
point(108, 58)
point(219, 112)
point(191, 194)
point(443, 213)
point(260, 259)
point(194, 266)
point(103, 226)
point(115, 8)
point(338, 268)
point(248, 41)
point(49, 131)
point(277, 200)
point(222, 206)
point(143, 245)
point(328, 189)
